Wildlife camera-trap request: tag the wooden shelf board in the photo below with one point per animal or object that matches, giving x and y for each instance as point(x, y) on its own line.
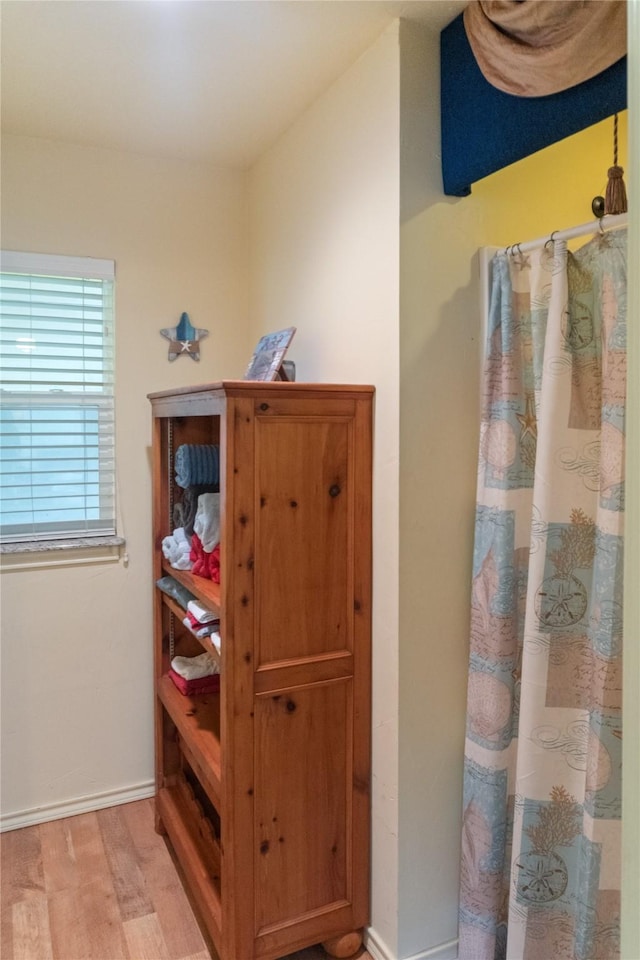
point(205, 590)
point(198, 859)
point(198, 722)
point(208, 782)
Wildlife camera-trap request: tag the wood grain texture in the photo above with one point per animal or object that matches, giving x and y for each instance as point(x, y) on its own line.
point(22, 850)
point(144, 937)
point(362, 600)
point(303, 536)
point(301, 816)
point(238, 612)
point(344, 946)
point(171, 905)
point(85, 922)
point(59, 898)
point(30, 922)
point(128, 880)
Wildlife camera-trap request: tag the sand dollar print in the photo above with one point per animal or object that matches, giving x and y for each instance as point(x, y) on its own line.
point(561, 601)
point(541, 877)
point(578, 325)
point(541, 874)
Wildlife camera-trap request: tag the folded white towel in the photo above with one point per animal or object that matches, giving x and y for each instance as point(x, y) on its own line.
point(183, 541)
point(204, 631)
point(201, 613)
point(207, 520)
point(177, 549)
point(192, 668)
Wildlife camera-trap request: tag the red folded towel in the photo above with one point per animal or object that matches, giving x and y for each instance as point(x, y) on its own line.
point(205, 564)
point(201, 685)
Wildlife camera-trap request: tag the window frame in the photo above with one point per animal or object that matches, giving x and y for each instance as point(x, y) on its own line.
point(63, 538)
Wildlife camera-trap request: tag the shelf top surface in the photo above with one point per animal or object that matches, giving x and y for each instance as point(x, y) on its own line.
point(231, 388)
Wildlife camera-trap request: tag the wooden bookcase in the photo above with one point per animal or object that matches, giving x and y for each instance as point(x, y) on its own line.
point(264, 789)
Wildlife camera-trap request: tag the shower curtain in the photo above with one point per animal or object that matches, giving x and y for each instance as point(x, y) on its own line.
point(540, 870)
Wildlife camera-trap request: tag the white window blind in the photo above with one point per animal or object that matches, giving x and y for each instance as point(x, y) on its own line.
point(57, 470)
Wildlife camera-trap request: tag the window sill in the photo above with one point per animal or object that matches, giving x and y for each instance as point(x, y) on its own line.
point(30, 554)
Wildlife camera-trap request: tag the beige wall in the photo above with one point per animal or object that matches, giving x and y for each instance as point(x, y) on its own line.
point(324, 208)
point(630, 948)
point(439, 364)
point(77, 704)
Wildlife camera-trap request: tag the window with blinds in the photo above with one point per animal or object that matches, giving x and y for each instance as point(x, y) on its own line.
point(57, 470)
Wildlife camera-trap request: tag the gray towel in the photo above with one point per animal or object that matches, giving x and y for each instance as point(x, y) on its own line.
point(175, 590)
point(184, 512)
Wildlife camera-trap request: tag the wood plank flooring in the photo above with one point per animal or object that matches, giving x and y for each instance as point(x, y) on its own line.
point(99, 886)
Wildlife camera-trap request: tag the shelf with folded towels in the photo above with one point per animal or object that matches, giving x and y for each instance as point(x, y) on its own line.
point(205, 590)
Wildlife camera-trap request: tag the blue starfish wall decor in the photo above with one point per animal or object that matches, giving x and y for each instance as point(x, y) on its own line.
point(184, 338)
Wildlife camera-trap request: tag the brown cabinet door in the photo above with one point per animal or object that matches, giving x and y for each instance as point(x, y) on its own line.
point(307, 606)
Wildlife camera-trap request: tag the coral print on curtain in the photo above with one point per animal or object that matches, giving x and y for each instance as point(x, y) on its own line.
point(540, 877)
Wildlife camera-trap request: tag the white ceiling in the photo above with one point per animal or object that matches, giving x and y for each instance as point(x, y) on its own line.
point(214, 80)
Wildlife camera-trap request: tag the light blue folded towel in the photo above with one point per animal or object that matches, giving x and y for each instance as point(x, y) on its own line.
point(197, 463)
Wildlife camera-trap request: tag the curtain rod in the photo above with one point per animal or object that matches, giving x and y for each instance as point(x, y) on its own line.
point(608, 222)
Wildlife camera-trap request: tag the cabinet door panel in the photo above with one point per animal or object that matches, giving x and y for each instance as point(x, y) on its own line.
point(304, 538)
point(302, 802)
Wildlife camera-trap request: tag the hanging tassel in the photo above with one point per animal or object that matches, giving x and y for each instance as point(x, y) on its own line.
point(615, 198)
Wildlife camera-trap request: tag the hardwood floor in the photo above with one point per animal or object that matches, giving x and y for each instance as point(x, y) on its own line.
point(99, 886)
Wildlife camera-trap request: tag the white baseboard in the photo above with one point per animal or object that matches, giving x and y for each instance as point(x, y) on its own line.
point(70, 808)
point(380, 951)
point(375, 945)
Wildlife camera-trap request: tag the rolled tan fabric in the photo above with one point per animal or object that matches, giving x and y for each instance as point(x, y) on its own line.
point(532, 48)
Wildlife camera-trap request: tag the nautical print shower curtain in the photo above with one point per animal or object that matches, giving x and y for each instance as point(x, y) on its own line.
point(541, 843)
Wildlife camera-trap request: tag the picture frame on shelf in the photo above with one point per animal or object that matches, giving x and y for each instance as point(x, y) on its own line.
point(268, 355)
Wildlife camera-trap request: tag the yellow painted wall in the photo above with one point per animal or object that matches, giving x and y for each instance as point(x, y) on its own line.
point(551, 189)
